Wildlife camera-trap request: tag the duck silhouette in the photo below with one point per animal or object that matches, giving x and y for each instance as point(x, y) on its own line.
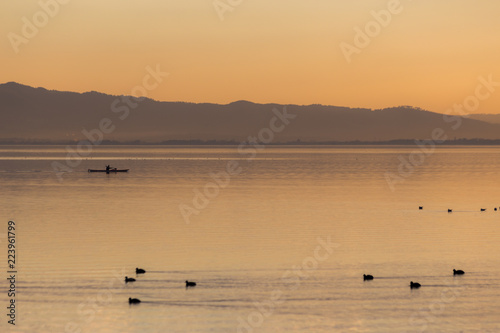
point(458, 272)
point(190, 284)
point(127, 279)
point(483, 209)
point(139, 271)
point(133, 300)
point(450, 210)
point(420, 207)
point(414, 285)
point(367, 277)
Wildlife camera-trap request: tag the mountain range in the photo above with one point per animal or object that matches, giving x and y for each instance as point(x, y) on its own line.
point(39, 115)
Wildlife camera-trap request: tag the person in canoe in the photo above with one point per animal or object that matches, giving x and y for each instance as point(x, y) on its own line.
point(109, 169)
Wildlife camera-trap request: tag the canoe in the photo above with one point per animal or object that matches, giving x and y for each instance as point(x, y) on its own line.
point(109, 171)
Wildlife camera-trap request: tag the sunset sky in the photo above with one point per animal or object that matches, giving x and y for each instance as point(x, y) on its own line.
point(430, 54)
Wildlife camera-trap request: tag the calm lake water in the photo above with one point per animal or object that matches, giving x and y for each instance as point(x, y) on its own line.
point(280, 247)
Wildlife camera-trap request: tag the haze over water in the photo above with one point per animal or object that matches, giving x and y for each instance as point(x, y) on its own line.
point(78, 239)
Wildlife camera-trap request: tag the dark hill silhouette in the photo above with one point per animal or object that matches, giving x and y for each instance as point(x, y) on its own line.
point(38, 114)
point(489, 118)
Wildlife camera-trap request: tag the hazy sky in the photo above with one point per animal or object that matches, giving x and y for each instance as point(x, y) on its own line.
point(428, 53)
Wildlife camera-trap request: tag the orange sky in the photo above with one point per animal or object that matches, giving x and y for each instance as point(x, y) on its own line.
point(429, 54)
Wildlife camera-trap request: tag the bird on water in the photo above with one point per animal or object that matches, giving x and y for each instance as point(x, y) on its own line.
point(190, 283)
point(139, 271)
point(133, 300)
point(127, 279)
point(367, 277)
point(458, 272)
point(414, 285)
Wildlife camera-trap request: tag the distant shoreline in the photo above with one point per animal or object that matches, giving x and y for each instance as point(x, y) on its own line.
point(455, 142)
